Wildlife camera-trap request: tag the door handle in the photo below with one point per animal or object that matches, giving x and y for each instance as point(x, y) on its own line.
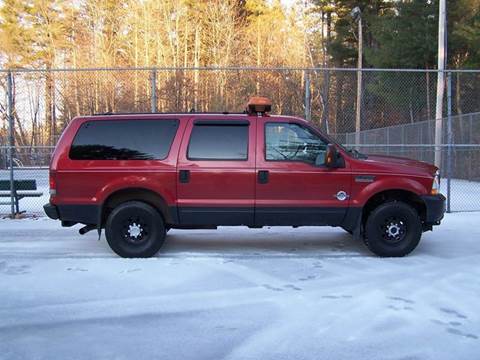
point(184, 176)
point(262, 176)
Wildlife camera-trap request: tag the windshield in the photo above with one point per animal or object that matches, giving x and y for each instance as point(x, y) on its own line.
point(350, 151)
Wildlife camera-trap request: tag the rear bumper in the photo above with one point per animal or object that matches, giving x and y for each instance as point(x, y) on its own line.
point(70, 214)
point(51, 211)
point(435, 206)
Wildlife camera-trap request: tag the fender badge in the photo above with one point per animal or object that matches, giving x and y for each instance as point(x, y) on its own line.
point(364, 178)
point(342, 195)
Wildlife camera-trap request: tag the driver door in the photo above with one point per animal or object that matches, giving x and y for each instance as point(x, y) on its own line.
point(293, 186)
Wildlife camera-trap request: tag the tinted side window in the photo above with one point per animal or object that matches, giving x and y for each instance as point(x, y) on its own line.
point(218, 142)
point(293, 142)
point(124, 140)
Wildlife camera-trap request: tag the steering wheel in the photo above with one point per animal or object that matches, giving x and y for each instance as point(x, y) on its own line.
point(304, 145)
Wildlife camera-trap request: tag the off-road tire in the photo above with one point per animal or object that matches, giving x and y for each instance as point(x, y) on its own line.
point(135, 229)
point(391, 218)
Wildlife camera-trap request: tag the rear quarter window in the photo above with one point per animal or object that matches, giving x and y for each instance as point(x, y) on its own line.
point(124, 140)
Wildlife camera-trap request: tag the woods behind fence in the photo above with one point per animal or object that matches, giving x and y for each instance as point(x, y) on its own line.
point(45, 101)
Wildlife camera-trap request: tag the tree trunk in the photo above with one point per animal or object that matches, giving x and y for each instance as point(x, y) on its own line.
point(339, 123)
point(196, 76)
point(257, 83)
point(135, 64)
point(458, 106)
point(49, 113)
point(186, 88)
point(458, 102)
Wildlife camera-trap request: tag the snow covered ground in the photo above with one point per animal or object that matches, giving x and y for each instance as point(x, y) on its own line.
point(234, 293)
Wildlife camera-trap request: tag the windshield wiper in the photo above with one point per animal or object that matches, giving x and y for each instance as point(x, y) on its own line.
point(357, 154)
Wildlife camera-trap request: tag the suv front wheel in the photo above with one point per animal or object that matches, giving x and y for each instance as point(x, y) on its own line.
point(135, 229)
point(393, 229)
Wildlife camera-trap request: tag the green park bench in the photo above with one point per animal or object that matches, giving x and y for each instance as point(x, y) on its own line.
point(21, 189)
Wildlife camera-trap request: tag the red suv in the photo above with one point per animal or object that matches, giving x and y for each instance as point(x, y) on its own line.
point(139, 175)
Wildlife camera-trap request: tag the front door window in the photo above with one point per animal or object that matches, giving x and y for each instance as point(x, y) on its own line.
point(293, 142)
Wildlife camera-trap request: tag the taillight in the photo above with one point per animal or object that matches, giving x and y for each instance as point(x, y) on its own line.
point(53, 185)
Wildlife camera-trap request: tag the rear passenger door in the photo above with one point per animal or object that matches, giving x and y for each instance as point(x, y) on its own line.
point(216, 172)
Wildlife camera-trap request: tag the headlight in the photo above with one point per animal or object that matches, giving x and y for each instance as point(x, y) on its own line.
point(436, 183)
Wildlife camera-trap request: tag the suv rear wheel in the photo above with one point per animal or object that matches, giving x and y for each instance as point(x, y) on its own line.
point(393, 229)
point(135, 229)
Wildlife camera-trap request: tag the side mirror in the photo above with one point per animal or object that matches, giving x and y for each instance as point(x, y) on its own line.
point(332, 157)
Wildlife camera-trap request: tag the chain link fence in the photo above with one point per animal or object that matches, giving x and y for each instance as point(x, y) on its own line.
point(460, 152)
point(396, 117)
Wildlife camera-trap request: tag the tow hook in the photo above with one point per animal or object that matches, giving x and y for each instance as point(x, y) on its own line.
point(86, 229)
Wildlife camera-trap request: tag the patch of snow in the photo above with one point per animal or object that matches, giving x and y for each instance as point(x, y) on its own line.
point(237, 293)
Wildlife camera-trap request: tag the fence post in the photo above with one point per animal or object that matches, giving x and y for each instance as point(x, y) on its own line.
point(470, 153)
point(153, 85)
point(449, 139)
point(358, 109)
point(11, 140)
point(308, 110)
point(388, 140)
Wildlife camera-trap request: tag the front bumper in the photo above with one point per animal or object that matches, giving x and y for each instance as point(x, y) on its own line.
point(435, 206)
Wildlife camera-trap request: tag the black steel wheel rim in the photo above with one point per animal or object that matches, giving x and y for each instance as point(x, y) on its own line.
point(393, 230)
point(135, 230)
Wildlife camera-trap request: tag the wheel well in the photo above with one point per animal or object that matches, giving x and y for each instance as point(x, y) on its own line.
point(405, 196)
point(136, 194)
